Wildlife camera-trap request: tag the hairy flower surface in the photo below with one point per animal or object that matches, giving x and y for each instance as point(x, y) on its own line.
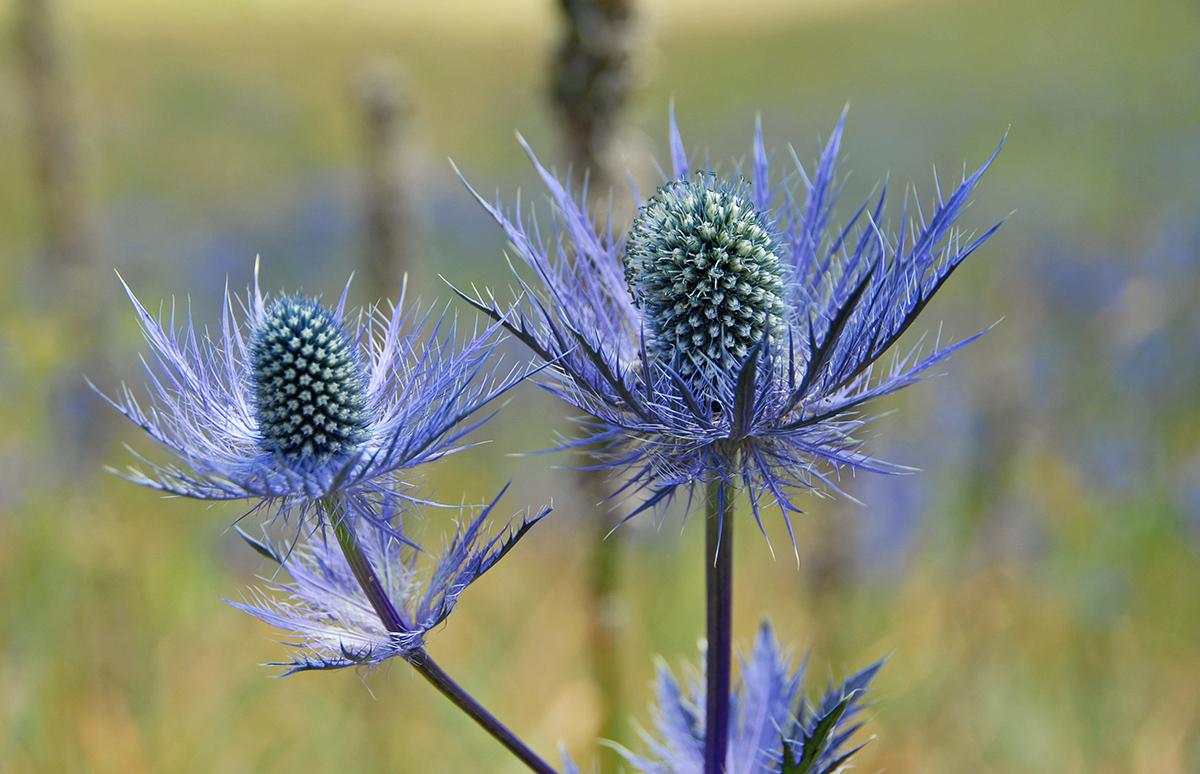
point(324, 604)
point(293, 400)
point(734, 333)
point(772, 728)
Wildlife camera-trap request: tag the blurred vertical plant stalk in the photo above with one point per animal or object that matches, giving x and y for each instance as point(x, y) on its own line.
point(590, 87)
point(386, 110)
point(591, 81)
point(53, 136)
point(606, 607)
point(68, 246)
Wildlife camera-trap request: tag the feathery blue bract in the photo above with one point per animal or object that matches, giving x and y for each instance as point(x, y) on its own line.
point(226, 407)
point(325, 606)
point(785, 417)
point(773, 730)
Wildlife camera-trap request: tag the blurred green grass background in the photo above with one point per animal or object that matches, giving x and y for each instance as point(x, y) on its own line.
point(1035, 585)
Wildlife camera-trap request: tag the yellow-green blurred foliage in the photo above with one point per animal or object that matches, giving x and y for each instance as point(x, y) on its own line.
point(1036, 585)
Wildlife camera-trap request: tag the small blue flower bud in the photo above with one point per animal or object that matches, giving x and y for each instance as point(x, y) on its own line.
point(309, 396)
point(701, 261)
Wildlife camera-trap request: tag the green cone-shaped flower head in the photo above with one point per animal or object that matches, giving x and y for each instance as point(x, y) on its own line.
point(309, 396)
point(703, 263)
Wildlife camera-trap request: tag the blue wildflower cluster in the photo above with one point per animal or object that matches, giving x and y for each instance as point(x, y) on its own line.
point(297, 407)
point(732, 339)
point(301, 409)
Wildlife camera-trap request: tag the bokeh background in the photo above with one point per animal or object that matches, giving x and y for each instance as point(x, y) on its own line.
point(1036, 585)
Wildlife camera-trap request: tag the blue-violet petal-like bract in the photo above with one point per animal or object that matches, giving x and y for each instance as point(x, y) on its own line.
point(324, 605)
point(734, 333)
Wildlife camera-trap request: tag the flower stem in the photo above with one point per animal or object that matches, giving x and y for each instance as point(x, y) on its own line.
point(718, 575)
point(361, 567)
point(430, 670)
point(419, 659)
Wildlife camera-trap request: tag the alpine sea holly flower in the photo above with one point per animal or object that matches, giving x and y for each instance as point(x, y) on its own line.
point(732, 339)
point(734, 333)
point(295, 405)
point(294, 401)
point(773, 729)
point(336, 621)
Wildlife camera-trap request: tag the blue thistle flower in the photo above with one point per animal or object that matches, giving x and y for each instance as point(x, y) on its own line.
point(294, 401)
point(295, 405)
point(325, 605)
point(733, 335)
point(772, 728)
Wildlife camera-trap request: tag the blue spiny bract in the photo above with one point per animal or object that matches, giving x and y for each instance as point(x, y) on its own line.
point(327, 613)
point(289, 401)
point(308, 390)
point(701, 262)
point(774, 728)
point(684, 376)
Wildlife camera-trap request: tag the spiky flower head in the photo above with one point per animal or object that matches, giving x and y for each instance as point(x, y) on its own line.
point(292, 400)
point(309, 392)
point(800, 348)
point(701, 262)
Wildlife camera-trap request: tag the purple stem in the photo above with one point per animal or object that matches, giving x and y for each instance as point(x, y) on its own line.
point(718, 575)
